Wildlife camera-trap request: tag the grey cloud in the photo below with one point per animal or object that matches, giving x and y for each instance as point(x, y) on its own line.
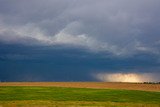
point(120, 27)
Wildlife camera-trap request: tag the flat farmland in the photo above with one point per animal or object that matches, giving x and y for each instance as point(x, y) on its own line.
point(78, 94)
point(95, 85)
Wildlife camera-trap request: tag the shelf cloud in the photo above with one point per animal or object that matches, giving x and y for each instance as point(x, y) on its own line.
point(119, 27)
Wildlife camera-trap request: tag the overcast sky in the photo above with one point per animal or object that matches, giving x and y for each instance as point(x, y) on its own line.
point(79, 40)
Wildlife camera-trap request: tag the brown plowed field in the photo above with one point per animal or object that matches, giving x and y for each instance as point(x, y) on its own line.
point(97, 85)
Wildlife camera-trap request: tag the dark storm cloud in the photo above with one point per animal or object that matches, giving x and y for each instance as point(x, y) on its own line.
point(39, 63)
point(78, 38)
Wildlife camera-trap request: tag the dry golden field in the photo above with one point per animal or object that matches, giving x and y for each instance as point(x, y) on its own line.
point(97, 85)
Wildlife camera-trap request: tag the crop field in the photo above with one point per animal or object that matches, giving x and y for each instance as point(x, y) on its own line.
point(95, 85)
point(54, 94)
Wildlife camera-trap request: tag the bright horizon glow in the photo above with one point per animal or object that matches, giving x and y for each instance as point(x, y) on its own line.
point(126, 77)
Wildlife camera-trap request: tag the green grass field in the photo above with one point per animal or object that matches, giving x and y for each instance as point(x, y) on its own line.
point(19, 96)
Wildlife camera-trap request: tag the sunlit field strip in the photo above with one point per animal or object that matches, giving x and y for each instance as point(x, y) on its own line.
point(96, 85)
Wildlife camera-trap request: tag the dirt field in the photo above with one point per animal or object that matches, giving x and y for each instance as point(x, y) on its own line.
point(98, 85)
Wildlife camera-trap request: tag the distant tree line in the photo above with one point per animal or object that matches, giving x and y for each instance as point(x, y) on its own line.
point(151, 82)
